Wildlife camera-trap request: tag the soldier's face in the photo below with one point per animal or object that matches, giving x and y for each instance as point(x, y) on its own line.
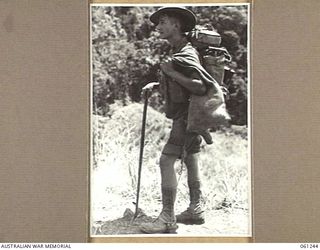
point(167, 27)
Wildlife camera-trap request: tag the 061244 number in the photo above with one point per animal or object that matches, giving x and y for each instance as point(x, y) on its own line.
point(309, 245)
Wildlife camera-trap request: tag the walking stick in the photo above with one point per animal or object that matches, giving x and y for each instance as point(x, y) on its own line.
point(143, 129)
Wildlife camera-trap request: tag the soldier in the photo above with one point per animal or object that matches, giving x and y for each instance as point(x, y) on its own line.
point(179, 81)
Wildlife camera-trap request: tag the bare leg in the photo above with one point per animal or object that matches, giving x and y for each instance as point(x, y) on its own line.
point(191, 161)
point(166, 222)
point(168, 175)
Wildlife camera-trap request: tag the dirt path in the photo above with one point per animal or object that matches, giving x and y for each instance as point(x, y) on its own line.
point(218, 223)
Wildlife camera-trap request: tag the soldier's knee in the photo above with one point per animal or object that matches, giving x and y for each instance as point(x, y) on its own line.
point(167, 160)
point(189, 158)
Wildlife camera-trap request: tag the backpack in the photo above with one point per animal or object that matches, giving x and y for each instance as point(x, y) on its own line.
point(209, 111)
point(213, 57)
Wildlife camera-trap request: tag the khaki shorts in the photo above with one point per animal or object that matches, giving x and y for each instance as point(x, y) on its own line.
point(181, 140)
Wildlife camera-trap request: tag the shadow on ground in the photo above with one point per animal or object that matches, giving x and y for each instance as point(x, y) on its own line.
point(124, 225)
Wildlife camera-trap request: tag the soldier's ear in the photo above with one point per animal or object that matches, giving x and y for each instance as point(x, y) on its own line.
point(177, 24)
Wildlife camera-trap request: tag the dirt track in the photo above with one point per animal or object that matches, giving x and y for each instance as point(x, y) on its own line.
point(218, 223)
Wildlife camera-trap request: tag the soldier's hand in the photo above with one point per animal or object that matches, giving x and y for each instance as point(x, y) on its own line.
point(149, 86)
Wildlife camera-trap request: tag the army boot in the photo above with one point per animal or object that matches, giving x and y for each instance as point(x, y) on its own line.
point(166, 221)
point(194, 213)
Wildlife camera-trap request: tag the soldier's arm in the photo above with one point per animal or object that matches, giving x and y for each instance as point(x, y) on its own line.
point(193, 83)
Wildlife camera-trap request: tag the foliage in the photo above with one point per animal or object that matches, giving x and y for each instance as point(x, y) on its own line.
point(126, 52)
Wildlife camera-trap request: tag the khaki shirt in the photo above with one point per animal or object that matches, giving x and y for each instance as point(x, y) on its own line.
point(176, 96)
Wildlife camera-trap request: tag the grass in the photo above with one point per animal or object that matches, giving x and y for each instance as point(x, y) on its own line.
point(223, 165)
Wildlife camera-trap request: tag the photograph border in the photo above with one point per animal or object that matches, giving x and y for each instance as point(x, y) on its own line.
point(173, 238)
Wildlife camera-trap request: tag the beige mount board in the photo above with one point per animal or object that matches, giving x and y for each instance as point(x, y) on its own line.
point(44, 144)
